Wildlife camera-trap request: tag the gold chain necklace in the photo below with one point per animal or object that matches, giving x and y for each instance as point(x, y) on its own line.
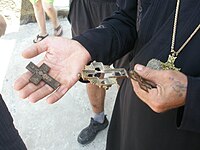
point(169, 64)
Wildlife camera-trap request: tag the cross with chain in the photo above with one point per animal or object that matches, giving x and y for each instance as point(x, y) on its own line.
point(41, 74)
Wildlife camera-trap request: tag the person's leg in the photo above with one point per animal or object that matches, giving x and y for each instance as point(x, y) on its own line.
point(98, 10)
point(40, 17)
point(99, 121)
point(83, 15)
point(9, 136)
point(52, 14)
point(96, 96)
point(41, 20)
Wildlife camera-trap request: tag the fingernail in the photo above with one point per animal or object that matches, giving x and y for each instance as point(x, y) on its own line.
point(139, 67)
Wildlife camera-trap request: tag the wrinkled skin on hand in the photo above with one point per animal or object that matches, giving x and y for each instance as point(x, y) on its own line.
point(65, 57)
point(169, 93)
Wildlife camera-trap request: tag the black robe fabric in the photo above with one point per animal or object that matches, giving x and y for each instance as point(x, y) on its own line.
point(146, 26)
point(9, 136)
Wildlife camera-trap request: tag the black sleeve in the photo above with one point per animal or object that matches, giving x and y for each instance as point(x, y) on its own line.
point(190, 116)
point(114, 37)
point(9, 136)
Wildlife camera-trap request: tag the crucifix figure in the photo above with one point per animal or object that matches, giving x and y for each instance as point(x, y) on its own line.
point(41, 73)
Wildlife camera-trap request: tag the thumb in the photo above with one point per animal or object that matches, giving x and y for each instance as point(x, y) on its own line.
point(146, 72)
point(35, 49)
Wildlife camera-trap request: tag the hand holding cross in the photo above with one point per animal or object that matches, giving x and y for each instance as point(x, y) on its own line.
point(66, 58)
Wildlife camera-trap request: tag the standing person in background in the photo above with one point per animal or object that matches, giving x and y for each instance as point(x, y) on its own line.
point(84, 15)
point(9, 136)
point(40, 7)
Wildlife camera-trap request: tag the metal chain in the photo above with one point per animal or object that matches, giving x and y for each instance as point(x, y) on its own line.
point(175, 26)
point(188, 40)
point(174, 53)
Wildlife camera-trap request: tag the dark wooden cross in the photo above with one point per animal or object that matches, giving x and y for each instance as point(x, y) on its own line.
point(41, 73)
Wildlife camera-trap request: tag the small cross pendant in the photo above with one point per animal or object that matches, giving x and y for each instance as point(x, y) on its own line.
point(41, 73)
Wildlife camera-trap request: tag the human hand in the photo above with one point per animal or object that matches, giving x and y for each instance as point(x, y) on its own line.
point(65, 57)
point(170, 91)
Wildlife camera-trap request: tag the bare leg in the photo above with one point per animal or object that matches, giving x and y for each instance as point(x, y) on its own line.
point(96, 96)
point(40, 17)
point(52, 13)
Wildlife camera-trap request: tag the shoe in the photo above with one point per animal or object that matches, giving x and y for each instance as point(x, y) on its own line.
point(40, 38)
point(58, 31)
point(88, 134)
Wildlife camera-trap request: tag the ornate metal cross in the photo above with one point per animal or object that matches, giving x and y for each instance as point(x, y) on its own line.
point(41, 73)
point(104, 76)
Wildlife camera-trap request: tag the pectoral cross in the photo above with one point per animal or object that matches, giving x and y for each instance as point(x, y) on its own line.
point(41, 74)
point(169, 65)
point(159, 65)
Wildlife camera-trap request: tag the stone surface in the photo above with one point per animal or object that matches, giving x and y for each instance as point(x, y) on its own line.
point(27, 12)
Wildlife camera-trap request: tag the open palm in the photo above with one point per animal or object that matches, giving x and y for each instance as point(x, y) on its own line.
point(66, 58)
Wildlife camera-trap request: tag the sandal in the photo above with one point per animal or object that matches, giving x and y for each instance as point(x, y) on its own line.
point(58, 31)
point(40, 38)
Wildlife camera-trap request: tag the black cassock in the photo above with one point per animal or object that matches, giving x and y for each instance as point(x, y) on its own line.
point(146, 27)
point(9, 136)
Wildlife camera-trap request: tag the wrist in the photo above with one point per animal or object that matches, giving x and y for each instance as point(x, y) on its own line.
point(84, 52)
